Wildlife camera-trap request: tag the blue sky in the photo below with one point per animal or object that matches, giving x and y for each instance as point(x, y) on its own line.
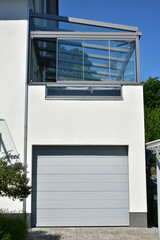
point(142, 13)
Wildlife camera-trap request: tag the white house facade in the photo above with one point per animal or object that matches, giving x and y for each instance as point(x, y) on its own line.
point(71, 107)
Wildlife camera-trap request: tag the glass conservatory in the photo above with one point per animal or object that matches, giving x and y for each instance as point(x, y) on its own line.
point(82, 54)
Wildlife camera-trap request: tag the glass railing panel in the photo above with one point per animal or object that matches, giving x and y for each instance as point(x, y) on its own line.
point(70, 61)
point(95, 53)
point(129, 72)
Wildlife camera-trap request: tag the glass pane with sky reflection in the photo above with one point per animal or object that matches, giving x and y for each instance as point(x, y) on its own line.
point(54, 60)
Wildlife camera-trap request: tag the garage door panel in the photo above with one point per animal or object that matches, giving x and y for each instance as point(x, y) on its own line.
point(41, 204)
point(82, 222)
point(82, 160)
point(82, 187)
point(85, 213)
point(109, 178)
point(122, 195)
point(82, 169)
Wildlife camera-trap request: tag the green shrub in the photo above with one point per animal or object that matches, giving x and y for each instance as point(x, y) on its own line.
point(6, 237)
point(13, 226)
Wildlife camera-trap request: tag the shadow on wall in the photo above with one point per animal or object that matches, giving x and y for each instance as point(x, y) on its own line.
point(42, 235)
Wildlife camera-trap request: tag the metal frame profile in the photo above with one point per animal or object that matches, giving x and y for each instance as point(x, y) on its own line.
point(126, 33)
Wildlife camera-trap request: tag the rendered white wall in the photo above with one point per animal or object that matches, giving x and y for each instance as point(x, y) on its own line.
point(75, 122)
point(13, 62)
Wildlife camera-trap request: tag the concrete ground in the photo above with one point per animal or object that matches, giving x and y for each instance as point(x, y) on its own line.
point(94, 233)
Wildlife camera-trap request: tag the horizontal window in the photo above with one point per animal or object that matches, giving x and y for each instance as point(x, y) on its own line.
point(83, 91)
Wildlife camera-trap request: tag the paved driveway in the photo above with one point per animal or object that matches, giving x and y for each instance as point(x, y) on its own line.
point(92, 233)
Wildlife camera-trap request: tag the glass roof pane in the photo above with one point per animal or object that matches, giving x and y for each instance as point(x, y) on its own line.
point(40, 24)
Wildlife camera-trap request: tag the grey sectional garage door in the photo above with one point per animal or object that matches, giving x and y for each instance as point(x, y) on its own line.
point(80, 186)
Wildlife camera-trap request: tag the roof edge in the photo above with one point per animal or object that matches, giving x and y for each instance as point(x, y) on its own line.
point(155, 143)
point(104, 24)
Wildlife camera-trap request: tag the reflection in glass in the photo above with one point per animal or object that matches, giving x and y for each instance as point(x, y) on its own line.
point(86, 91)
point(54, 60)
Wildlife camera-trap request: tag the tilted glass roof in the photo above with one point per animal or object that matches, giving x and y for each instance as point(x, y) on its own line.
point(46, 22)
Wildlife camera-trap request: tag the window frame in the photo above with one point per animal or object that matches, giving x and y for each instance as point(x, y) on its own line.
point(83, 97)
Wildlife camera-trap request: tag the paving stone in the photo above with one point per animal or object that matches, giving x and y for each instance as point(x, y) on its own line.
point(95, 233)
